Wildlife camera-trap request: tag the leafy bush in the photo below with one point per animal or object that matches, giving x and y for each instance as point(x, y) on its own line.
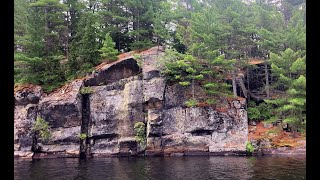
point(211, 101)
point(249, 147)
point(42, 128)
point(191, 103)
point(265, 110)
point(184, 83)
point(140, 133)
point(141, 45)
point(82, 136)
point(86, 90)
point(253, 111)
point(261, 111)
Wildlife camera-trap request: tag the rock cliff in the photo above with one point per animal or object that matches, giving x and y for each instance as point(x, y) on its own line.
point(121, 94)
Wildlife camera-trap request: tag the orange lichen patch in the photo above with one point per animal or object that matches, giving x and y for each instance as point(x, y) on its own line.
point(203, 104)
point(255, 61)
point(65, 91)
point(153, 50)
point(238, 98)
point(20, 87)
point(281, 139)
point(232, 145)
point(222, 109)
point(127, 55)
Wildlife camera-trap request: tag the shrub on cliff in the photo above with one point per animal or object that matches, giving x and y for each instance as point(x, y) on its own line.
point(86, 90)
point(139, 130)
point(42, 128)
point(249, 147)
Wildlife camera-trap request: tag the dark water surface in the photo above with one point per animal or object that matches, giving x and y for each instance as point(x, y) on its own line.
point(184, 168)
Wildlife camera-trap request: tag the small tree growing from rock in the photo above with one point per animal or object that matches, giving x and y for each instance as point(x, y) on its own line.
point(249, 147)
point(108, 51)
point(42, 129)
point(139, 130)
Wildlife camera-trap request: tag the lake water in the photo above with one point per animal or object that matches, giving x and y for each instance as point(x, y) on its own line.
point(175, 168)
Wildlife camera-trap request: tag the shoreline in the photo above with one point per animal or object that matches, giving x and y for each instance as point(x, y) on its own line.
point(281, 151)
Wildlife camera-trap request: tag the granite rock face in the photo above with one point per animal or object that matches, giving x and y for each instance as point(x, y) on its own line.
point(124, 93)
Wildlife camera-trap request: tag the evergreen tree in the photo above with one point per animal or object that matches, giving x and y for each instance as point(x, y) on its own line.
point(107, 51)
point(162, 22)
point(84, 54)
point(289, 69)
point(37, 60)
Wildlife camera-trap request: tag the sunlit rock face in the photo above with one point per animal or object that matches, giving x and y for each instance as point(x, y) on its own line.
point(124, 93)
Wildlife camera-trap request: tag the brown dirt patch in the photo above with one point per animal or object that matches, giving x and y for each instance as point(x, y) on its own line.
point(25, 87)
point(278, 137)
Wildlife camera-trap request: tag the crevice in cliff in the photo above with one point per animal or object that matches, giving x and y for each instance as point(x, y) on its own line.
point(164, 105)
point(154, 103)
point(201, 132)
point(85, 101)
point(105, 136)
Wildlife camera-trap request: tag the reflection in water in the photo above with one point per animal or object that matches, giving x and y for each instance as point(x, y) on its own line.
point(163, 168)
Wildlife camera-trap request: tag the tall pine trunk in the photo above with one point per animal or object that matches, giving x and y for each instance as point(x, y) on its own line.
point(267, 80)
point(234, 84)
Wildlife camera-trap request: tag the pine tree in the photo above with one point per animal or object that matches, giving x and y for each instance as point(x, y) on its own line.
point(37, 58)
point(162, 22)
point(107, 51)
point(289, 70)
point(84, 54)
point(182, 68)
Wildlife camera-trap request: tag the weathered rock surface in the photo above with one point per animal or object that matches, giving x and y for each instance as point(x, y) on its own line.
point(28, 95)
point(25, 113)
point(123, 94)
point(63, 107)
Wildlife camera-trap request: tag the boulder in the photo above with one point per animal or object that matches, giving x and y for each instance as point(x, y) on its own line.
point(29, 94)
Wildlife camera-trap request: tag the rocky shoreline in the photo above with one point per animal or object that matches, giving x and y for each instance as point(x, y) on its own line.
point(120, 95)
point(281, 151)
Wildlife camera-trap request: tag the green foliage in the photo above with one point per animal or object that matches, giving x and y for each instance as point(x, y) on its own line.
point(84, 54)
point(86, 90)
point(184, 83)
point(189, 70)
point(140, 133)
point(191, 103)
point(42, 71)
point(253, 113)
point(249, 147)
point(263, 111)
point(42, 128)
point(289, 71)
point(161, 22)
point(107, 51)
point(82, 136)
point(140, 45)
point(211, 101)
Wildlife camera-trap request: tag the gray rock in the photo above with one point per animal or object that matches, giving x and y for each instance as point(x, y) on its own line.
point(63, 107)
point(28, 95)
point(153, 89)
point(105, 146)
point(24, 117)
